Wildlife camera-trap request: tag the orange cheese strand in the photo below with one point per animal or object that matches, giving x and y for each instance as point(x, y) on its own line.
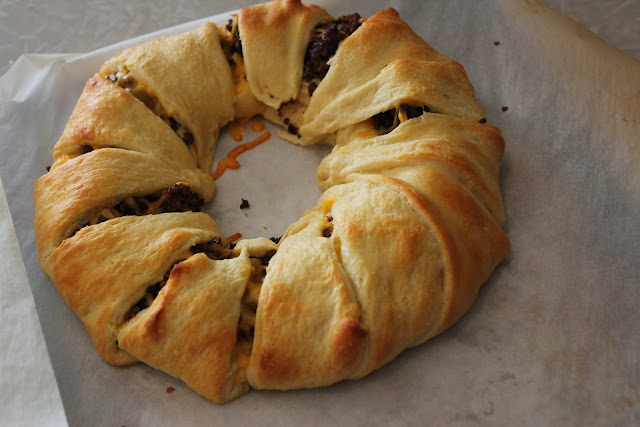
point(326, 206)
point(257, 126)
point(230, 161)
point(367, 134)
point(236, 129)
point(233, 238)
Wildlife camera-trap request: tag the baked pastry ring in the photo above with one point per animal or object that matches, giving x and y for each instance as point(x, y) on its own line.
point(393, 253)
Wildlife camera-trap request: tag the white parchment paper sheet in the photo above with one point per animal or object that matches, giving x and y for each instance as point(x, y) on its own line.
point(553, 337)
point(29, 394)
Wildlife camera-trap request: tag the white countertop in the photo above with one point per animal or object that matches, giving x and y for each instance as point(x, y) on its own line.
point(73, 26)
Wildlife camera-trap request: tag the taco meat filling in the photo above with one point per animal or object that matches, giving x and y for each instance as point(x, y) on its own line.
point(388, 120)
point(324, 43)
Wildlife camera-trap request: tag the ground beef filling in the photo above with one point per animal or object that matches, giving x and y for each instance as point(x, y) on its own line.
point(328, 230)
point(214, 249)
point(293, 130)
point(177, 198)
point(236, 42)
point(275, 240)
point(388, 120)
point(324, 43)
point(150, 295)
point(131, 85)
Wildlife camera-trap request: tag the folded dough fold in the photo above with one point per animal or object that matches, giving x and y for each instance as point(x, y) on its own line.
point(410, 270)
point(274, 37)
point(393, 258)
point(105, 269)
point(190, 329)
point(308, 330)
point(108, 116)
point(188, 73)
point(380, 40)
point(67, 196)
point(471, 152)
point(443, 88)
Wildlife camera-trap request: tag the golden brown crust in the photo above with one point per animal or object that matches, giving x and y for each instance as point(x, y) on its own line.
point(190, 76)
point(307, 290)
point(389, 253)
point(443, 88)
point(108, 116)
point(394, 252)
point(471, 151)
point(414, 265)
point(274, 39)
point(362, 56)
point(190, 330)
point(105, 269)
point(67, 196)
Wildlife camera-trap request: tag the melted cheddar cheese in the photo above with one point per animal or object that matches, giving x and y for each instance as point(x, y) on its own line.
point(247, 321)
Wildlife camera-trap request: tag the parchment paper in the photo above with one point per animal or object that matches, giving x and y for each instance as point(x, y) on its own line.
point(30, 395)
point(553, 337)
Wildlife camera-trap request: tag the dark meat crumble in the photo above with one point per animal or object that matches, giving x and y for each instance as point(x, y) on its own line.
point(324, 43)
point(386, 121)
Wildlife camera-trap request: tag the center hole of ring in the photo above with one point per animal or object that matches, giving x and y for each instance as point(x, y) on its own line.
point(278, 179)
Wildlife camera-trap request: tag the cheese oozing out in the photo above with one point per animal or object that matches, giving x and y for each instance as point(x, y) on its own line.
point(249, 307)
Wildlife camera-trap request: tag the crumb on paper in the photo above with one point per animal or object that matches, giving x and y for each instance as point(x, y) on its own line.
point(246, 214)
point(265, 227)
point(505, 108)
point(244, 204)
point(170, 389)
point(496, 43)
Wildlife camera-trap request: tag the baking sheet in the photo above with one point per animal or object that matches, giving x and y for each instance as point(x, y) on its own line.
point(553, 337)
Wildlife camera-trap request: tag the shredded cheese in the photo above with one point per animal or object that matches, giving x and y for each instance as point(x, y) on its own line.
point(240, 86)
point(326, 206)
point(60, 160)
point(233, 238)
point(231, 162)
point(152, 207)
point(243, 360)
point(133, 205)
point(108, 213)
point(238, 72)
point(367, 134)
